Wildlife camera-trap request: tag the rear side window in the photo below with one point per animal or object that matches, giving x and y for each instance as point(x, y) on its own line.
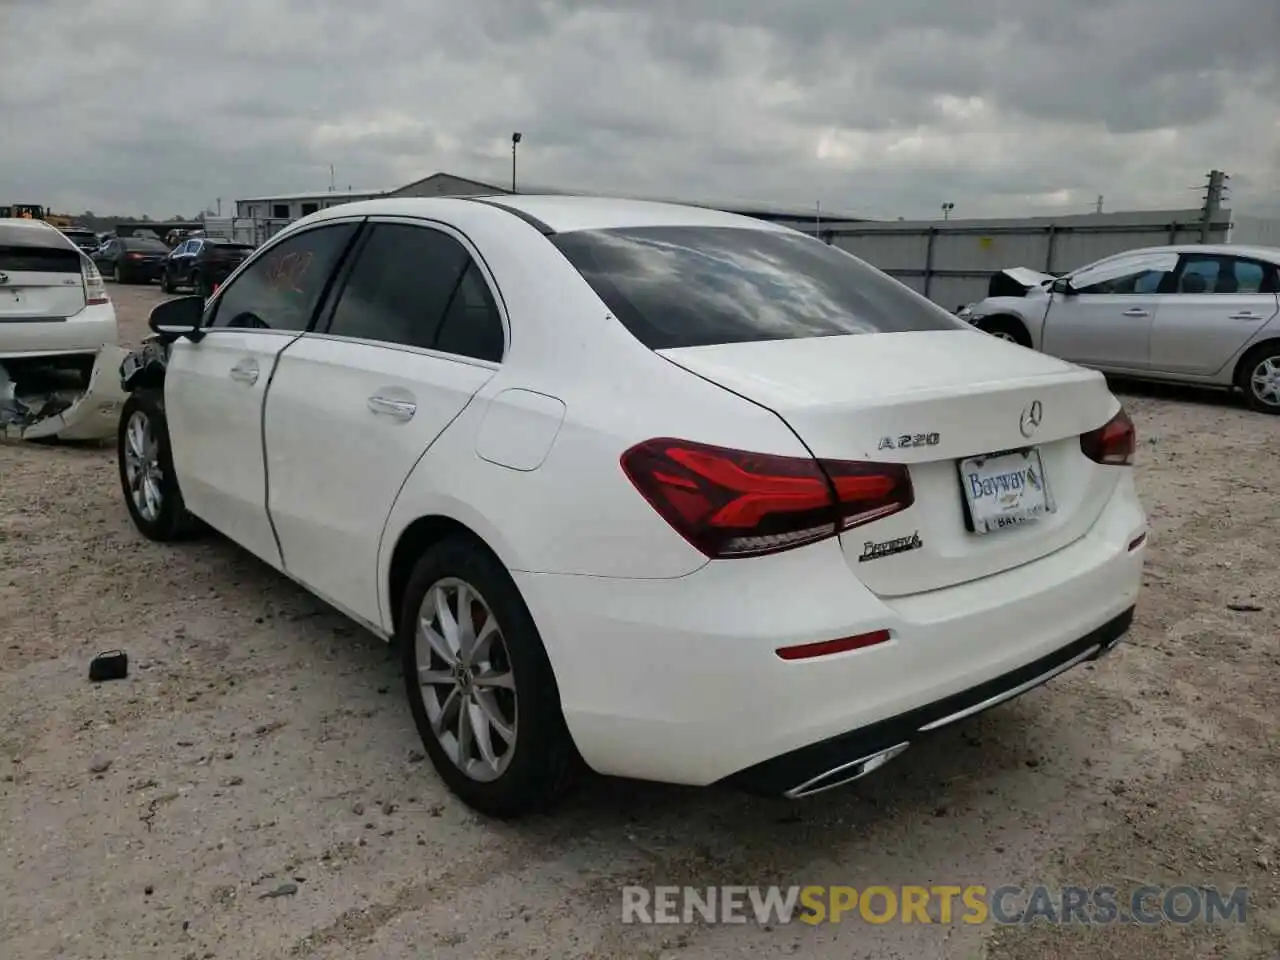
point(698, 286)
point(400, 286)
point(472, 326)
point(282, 288)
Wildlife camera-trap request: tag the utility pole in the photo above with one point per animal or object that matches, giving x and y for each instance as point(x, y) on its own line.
point(219, 206)
point(1099, 210)
point(515, 139)
point(817, 219)
point(1212, 203)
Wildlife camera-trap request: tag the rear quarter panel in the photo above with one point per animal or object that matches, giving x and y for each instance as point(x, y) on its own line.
point(575, 512)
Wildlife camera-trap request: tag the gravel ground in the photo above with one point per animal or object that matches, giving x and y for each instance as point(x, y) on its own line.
point(261, 746)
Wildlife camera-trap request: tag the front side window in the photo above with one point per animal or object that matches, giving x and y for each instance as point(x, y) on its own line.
point(400, 285)
point(1135, 275)
point(282, 288)
point(697, 286)
point(1199, 274)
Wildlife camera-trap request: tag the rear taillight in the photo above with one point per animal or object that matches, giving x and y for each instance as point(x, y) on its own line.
point(95, 291)
point(730, 503)
point(1113, 443)
point(133, 256)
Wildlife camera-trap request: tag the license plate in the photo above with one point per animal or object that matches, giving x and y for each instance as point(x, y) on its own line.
point(1005, 490)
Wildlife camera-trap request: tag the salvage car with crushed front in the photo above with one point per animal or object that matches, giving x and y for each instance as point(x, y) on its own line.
point(1207, 315)
point(58, 338)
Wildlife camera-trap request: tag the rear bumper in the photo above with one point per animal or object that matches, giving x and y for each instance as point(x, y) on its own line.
point(847, 757)
point(218, 272)
point(86, 333)
point(678, 680)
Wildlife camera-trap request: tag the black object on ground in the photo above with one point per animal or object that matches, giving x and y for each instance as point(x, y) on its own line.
point(112, 665)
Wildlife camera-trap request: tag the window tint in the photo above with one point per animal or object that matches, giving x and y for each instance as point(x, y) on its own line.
point(1199, 274)
point(472, 327)
point(400, 285)
point(695, 286)
point(281, 289)
point(1142, 274)
point(1249, 277)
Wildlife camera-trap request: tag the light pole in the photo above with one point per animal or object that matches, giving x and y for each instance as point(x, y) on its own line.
point(946, 210)
point(515, 139)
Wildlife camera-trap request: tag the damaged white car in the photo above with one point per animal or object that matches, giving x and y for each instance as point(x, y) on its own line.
point(59, 352)
point(1206, 315)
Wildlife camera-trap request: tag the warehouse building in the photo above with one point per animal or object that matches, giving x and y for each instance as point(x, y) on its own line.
point(270, 213)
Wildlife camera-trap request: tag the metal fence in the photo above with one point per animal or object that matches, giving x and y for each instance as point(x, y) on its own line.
point(951, 262)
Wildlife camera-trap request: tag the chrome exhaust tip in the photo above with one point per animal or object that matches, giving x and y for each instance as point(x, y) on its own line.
point(845, 773)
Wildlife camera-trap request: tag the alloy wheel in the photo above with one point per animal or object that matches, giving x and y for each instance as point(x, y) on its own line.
point(1265, 382)
point(466, 680)
point(142, 466)
point(1004, 335)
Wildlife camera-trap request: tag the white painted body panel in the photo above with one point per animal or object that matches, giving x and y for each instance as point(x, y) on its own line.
point(664, 660)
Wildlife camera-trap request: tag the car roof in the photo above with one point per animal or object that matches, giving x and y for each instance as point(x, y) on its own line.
point(558, 214)
point(1270, 254)
point(21, 232)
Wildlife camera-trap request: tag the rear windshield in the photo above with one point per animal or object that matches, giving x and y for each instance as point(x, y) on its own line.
point(39, 259)
point(698, 286)
point(139, 243)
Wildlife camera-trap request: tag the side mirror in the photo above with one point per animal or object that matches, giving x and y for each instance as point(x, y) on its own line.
point(1063, 286)
point(180, 317)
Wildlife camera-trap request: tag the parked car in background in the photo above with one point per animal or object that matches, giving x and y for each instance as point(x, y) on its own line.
point(201, 264)
point(54, 308)
point(684, 495)
point(1199, 314)
point(131, 259)
point(86, 240)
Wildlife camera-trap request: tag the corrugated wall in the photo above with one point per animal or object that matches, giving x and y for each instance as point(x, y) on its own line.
point(951, 262)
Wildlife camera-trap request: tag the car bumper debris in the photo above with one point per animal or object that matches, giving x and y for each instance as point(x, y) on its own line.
point(39, 401)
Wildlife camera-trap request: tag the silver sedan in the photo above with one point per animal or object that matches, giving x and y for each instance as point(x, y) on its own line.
point(1198, 314)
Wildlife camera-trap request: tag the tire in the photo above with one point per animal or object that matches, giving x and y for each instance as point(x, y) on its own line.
point(1259, 378)
point(117, 275)
point(198, 284)
point(168, 519)
point(538, 764)
point(166, 285)
point(1006, 328)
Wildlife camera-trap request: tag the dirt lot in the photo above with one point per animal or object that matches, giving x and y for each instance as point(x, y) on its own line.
point(262, 740)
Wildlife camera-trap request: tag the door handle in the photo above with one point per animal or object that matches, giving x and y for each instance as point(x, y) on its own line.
point(246, 371)
point(1246, 315)
point(397, 409)
point(1136, 312)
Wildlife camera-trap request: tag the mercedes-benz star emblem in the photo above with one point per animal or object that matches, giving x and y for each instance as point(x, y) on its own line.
point(1032, 414)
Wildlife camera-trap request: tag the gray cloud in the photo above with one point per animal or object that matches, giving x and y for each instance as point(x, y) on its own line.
point(885, 109)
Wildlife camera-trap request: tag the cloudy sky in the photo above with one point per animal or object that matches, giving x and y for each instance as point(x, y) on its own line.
point(882, 108)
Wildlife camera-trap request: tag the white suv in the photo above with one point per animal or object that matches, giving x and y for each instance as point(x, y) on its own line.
point(53, 303)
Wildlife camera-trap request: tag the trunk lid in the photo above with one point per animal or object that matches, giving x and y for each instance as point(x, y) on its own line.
point(933, 400)
point(39, 283)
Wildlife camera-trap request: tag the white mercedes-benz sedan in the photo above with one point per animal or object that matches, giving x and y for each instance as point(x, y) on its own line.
point(658, 491)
